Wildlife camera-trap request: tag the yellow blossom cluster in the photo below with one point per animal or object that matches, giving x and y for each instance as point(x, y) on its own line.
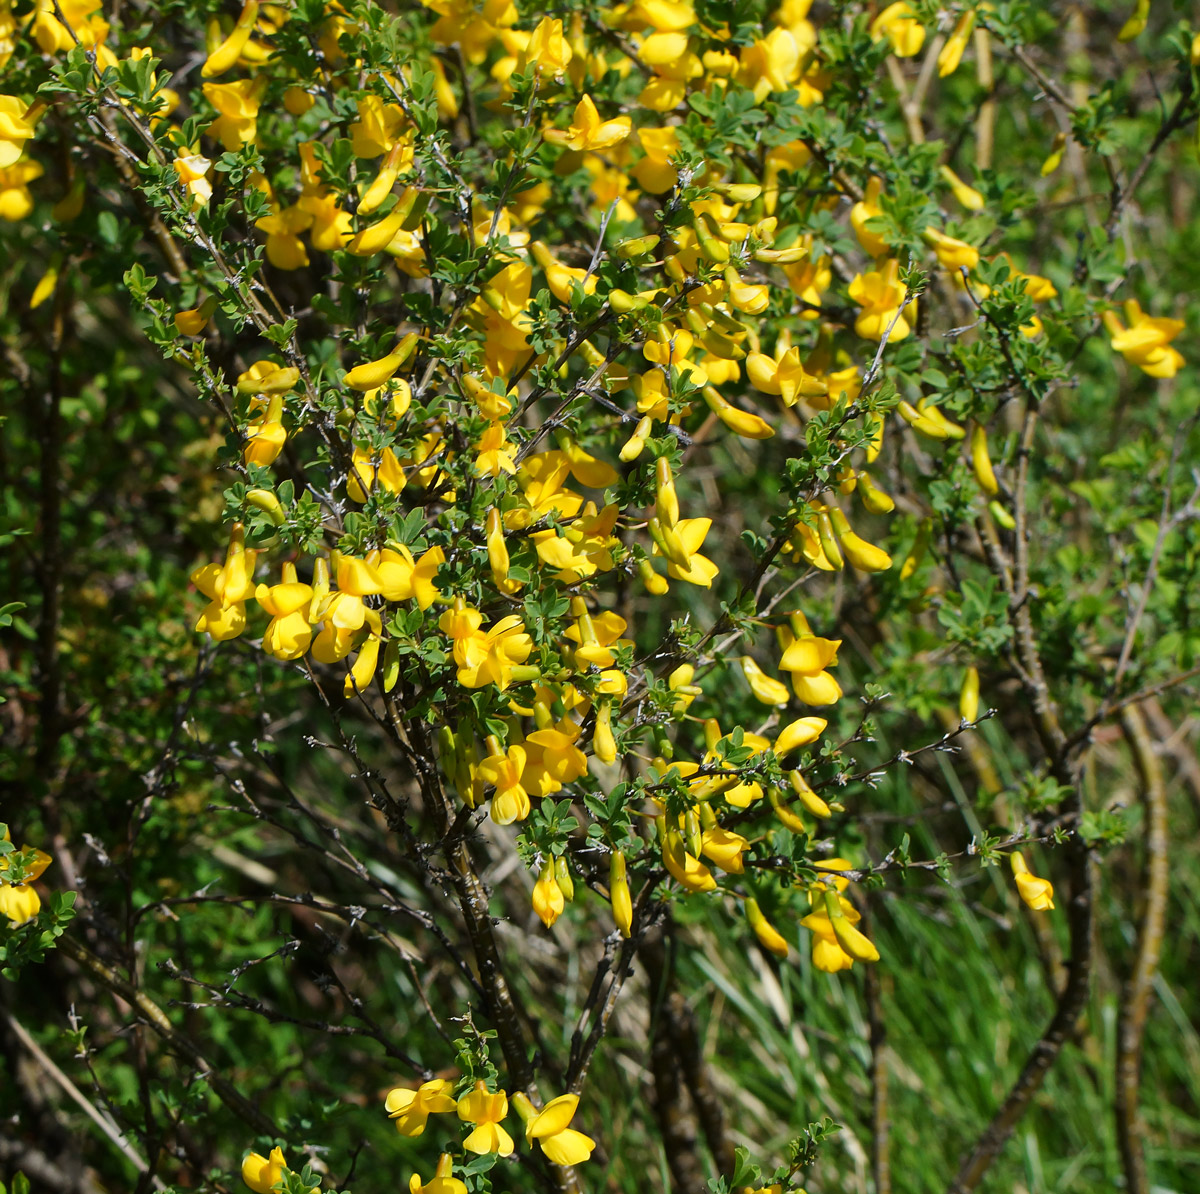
point(486, 1110)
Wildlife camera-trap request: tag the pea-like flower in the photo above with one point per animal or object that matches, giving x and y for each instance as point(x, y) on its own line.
point(588, 131)
point(504, 769)
point(442, 1182)
point(15, 128)
point(1146, 342)
point(881, 295)
point(263, 1174)
point(237, 106)
point(289, 632)
point(485, 1110)
point(899, 24)
point(807, 656)
point(410, 1109)
point(551, 1128)
point(1037, 893)
point(548, 899)
point(16, 199)
point(193, 170)
point(227, 586)
point(19, 901)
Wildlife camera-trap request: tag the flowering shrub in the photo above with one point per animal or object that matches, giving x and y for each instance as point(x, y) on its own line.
point(586, 386)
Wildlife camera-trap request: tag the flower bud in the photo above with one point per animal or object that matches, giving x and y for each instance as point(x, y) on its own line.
point(618, 894)
point(968, 696)
point(768, 936)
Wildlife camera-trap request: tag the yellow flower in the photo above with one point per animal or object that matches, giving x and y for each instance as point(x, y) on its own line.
point(952, 52)
point(619, 894)
point(15, 128)
point(16, 199)
point(227, 586)
point(561, 278)
point(548, 899)
point(809, 280)
point(332, 226)
point(237, 107)
point(588, 131)
point(345, 613)
point(503, 770)
point(405, 579)
point(967, 195)
point(263, 1174)
point(230, 50)
point(289, 632)
point(768, 936)
point(801, 732)
point(265, 435)
point(770, 64)
point(827, 954)
point(694, 568)
point(551, 1128)
point(411, 1108)
point(8, 31)
point(485, 1110)
point(285, 249)
point(267, 377)
point(462, 22)
point(584, 548)
point(867, 208)
point(494, 453)
point(668, 53)
point(541, 479)
point(838, 944)
point(1037, 893)
point(83, 18)
point(654, 173)
point(881, 294)
point(552, 758)
point(724, 848)
point(362, 672)
point(485, 657)
point(1146, 342)
point(864, 556)
point(784, 375)
point(194, 320)
point(193, 169)
point(954, 255)
point(596, 634)
point(19, 902)
point(900, 26)
point(547, 49)
point(806, 657)
point(1038, 289)
point(442, 1182)
point(377, 128)
point(765, 688)
point(355, 580)
point(370, 472)
point(688, 871)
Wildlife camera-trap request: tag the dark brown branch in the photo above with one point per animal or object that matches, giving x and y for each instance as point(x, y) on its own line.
point(50, 433)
